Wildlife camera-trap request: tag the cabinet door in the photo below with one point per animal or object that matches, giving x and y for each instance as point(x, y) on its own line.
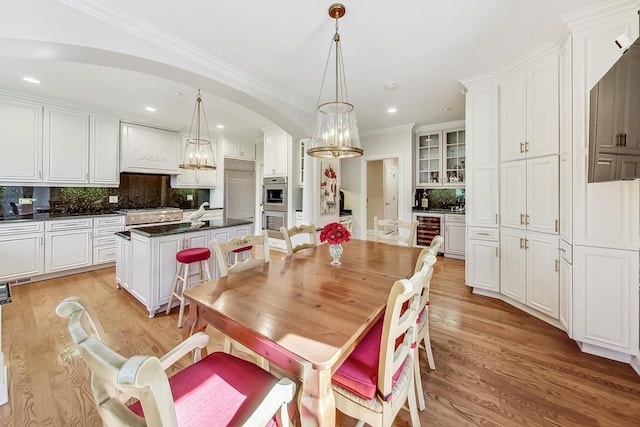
point(454, 172)
point(22, 255)
point(483, 264)
point(149, 150)
point(67, 249)
point(513, 264)
point(123, 262)
point(481, 200)
point(513, 194)
point(429, 159)
point(454, 239)
point(206, 178)
point(543, 200)
point(566, 197)
point(247, 151)
point(276, 146)
point(605, 298)
point(104, 149)
point(543, 133)
point(566, 283)
point(543, 279)
point(66, 146)
point(513, 116)
point(20, 138)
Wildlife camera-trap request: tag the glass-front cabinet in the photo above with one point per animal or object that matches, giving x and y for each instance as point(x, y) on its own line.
point(454, 173)
point(429, 159)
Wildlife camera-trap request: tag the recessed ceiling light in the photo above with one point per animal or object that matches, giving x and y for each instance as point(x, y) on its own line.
point(391, 86)
point(178, 93)
point(220, 126)
point(150, 109)
point(446, 109)
point(392, 110)
point(31, 80)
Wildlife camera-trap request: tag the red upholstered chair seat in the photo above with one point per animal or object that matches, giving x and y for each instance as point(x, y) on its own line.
point(188, 256)
point(215, 391)
point(246, 248)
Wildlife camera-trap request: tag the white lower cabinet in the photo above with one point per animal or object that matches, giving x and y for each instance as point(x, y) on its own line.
point(605, 298)
point(530, 268)
point(22, 249)
point(566, 287)
point(123, 261)
point(454, 236)
point(68, 244)
point(483, 263)
point(104, 238)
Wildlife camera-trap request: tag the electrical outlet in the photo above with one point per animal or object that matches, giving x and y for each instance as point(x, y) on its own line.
point(25, 201)
point(113, 199)
point(189, 197)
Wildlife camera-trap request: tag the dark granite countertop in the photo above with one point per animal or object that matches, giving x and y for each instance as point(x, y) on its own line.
point(186, 227)
point(438, 211)
point(46, 216)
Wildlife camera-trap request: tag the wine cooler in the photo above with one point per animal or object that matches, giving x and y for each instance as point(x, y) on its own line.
point(428, 228)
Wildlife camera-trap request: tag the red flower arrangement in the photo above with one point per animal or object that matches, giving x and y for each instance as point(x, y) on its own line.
point(330, 173)
point(335, 233)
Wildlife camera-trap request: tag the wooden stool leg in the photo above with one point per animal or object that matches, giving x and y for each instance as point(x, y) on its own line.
point(185, 281)
point(174, 287)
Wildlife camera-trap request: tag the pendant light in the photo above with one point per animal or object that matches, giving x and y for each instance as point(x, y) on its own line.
point(335, 132)
point(198, 151)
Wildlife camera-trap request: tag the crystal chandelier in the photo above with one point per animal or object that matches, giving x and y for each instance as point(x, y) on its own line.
point(198, 151)
point(335, 132)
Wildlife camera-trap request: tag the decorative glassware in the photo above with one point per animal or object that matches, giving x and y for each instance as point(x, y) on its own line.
point(336, 252)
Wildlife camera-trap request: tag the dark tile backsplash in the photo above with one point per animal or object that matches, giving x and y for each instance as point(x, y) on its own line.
point(135, 191)
point(440, 198)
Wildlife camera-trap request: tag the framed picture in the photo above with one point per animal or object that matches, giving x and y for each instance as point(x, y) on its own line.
point(328, 188)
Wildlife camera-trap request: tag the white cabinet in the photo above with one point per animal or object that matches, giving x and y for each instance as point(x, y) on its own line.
point(148, 150)
point(22, 249)
point(440, 154)
point(529, 194)
point(481, 199)
point(123, 261)
point(566, 287)
point(277, 147)
point(65, 146)
point(20, 138)
point(529, 269)
point(68, 244)
point(605, 298)
point(483, 259)
point(303, 151)
point(299, 218)
point(240, 150)
point(104, 239)
point(529, 120)
point(429, 159)
point(454, 236)
point(104, 151)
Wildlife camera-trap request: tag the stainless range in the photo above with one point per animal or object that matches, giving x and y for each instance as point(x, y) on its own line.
point(152, 216)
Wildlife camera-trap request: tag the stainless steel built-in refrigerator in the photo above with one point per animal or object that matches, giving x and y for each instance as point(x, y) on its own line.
point(240, 195)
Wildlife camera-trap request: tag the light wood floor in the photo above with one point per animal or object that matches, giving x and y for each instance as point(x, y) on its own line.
point(496, 366)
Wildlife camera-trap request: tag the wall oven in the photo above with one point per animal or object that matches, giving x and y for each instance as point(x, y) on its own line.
point(274, 197)
point(272, 221)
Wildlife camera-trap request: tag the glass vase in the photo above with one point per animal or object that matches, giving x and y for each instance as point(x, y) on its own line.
point(336, 252)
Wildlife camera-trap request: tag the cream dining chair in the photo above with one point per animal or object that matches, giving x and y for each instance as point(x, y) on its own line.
point(303, 236)
point(388, 231)
point(239, 254)
point(377, 379)
point(425, 264)
point(220, 388)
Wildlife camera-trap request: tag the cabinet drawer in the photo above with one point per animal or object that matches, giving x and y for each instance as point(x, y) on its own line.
point(104, 254)
point(457, 218)
point(108, 221)
point(566, 251)
point(104, 240)
point(107, 231)
point(20, 227)
point(481, 233)
point(68, 224)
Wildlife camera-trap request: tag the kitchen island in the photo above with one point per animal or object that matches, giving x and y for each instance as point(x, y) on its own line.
point(146, 256)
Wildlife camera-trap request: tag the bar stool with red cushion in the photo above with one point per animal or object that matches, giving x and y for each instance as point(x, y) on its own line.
point(182, 280)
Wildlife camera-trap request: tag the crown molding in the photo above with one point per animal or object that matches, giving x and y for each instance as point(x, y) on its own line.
point(489, 79)
point(103, 11)
point(441, 126)
point(386, 131)
point(589, 17)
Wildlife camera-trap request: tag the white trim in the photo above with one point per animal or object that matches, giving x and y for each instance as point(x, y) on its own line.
point(389, 130)
point(441, 126)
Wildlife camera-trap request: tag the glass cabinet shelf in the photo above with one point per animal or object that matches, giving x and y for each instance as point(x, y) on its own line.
point(455, 157)
point(429, 157)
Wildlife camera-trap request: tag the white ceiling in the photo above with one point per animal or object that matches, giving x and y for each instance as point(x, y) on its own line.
point(261, 62)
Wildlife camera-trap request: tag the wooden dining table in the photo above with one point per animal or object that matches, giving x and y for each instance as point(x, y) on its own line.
point(303, 314)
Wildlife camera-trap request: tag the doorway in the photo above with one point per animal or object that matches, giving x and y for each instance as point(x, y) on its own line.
point(382, 189)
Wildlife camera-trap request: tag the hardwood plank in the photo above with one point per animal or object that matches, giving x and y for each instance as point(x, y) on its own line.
point(495, 365)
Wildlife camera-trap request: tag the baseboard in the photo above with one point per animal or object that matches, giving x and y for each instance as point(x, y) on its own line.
point(604, 352)
point(635, 364)
point(32, 279)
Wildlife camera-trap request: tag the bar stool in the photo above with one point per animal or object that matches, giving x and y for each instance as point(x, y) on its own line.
point(185, 258)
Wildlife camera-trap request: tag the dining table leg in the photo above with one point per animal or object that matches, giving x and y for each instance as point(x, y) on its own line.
point(316, 402)
point(193, 323)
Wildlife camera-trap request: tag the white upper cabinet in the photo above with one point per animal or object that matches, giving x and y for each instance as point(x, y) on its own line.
point(482, 156)
point(440, 153)
point(20, 141)
point(529, 111)
point(277, 147)
point(104, 151)
point(148, 150)
point(429, 159)
point(66, 146)
point(244, 151)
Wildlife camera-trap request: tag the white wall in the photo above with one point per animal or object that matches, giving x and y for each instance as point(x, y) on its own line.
point(379, 145)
